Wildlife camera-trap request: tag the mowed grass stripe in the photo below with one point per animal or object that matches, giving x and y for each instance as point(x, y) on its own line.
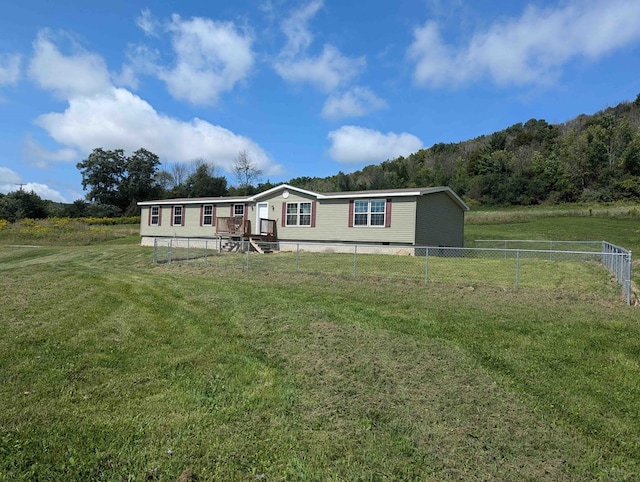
point(108, 362)
point(127, 334)
point(566, 276)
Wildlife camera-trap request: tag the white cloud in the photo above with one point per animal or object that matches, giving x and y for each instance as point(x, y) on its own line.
point(7, 188)
point(81, 73)
point(35, 154)
point(211, 58)
point(326, 71)
point(356, 102)
point(9, 177)
point(127, 77)
point(147, 23)
point(102, 115)
point(11, 181)
point(353, 144)
point(528, 50)
point(143, 58)
point(119, 119)
point(295, 28)
point(9, 68)
point(140, 59)
point(44, 191)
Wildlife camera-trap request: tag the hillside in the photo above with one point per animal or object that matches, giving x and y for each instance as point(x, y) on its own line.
point(590, 158)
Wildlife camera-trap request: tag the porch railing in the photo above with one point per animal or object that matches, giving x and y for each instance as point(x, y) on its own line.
point(238, 226)
point(234, 225)
point(267, 228)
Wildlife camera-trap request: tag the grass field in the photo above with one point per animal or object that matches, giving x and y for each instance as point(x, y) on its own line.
point(112, 368)
point(582, 275)
point(611, 223)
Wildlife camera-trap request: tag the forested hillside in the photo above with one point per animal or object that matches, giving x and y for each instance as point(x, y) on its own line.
point(590, 158)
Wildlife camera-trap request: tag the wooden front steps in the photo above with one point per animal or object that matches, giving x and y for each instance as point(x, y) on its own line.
point(257, 243)
point(236, 229)
point(260, 245)
point(232, 244)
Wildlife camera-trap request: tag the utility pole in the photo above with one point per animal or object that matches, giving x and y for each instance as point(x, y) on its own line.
point(20, 184)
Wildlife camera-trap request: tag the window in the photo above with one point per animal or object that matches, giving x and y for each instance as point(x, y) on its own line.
point(369, 212)
point(177, 215)
point(207, 215)
point(377, 212)
point(238, 209)
point(299, 214)
point(154, 216)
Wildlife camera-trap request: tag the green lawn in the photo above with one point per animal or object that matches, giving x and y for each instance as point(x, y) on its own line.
point(112, 368)
point(623, 231)
point(562, 273)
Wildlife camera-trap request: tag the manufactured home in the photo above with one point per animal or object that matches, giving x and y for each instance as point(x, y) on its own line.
point(414, 216)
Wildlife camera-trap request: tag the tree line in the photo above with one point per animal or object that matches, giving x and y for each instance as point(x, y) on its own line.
point(592, 158)
point(115, 183)
point(114, 179)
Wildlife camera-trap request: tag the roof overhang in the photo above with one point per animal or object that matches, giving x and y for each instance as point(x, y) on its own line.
point(399, 193)
point(195, 200)
point(342, 195)
point(282, 187)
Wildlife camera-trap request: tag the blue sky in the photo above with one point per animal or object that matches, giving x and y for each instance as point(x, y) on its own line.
point(306, 88)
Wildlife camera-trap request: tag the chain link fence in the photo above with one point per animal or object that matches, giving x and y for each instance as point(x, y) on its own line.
point(502, 263)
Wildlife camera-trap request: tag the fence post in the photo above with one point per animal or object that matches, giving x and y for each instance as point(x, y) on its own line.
point(355, 258)
point(297, 257)
point(247, 249)
point(426, 264)
point(169, 251)
point(155, 250)
point(517, 267)
point(188, 250)
point(628, 281)
point(205, 250)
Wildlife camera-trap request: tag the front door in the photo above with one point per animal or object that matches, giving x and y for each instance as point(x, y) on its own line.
point(262, 213)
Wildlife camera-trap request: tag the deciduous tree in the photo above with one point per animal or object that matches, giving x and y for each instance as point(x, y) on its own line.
point(140, 182)
point(203, 182)
point(103, 173)
point(245, 171)
point(113, 179)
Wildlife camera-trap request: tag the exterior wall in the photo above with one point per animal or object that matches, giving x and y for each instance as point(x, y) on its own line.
point(275, 212)
point(431, 220)
point(191, 227)
point(332, 221)
point(439, 221)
